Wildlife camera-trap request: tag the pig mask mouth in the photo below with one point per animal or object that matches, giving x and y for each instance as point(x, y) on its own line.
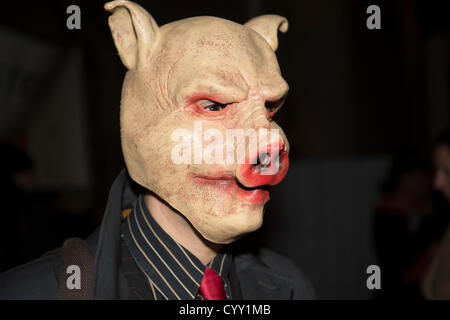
point(231, 185)
point(254, 179)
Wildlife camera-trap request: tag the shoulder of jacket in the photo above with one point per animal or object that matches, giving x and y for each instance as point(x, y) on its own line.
point(277, 265)
point(267, 259)
point(39, 278)
point(35, 280)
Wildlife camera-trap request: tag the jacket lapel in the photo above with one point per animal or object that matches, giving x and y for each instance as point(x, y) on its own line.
point(107, 281)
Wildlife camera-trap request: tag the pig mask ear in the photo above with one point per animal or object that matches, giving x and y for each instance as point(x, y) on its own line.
point(134, 31)
point(267, 26)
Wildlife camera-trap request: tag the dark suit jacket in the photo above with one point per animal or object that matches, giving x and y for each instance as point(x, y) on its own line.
point(259, 274)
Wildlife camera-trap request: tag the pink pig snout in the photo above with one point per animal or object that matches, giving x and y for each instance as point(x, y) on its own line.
point(267, 166)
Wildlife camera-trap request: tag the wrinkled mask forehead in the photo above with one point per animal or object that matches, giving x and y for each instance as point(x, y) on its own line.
point(212, 55)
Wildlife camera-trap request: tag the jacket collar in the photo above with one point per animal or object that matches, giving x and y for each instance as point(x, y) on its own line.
point(107, 254)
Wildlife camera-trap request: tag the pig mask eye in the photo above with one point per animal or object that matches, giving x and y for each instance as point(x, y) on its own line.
point(211, 106)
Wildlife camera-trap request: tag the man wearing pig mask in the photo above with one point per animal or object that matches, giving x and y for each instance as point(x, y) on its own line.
point(201, 152)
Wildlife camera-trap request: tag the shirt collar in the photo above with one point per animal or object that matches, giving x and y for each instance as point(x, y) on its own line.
point(174, 271)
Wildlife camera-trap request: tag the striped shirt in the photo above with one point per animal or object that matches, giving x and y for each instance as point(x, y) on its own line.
point(170, 270)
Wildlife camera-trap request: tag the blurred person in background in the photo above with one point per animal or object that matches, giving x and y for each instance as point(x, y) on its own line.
point(436, 284)
point(407, 226)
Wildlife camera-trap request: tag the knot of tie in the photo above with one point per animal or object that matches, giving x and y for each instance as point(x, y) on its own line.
point(211, 287)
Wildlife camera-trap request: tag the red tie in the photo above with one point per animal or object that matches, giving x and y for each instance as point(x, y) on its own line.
point(211, 287)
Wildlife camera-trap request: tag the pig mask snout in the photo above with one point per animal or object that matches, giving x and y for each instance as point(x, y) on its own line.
point(266, 161)
point(267, 166)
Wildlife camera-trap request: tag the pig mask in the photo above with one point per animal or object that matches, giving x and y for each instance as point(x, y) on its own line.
point(208, 75)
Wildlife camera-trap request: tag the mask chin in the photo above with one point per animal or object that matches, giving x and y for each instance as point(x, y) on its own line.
point(225, 230)
point(222, 239)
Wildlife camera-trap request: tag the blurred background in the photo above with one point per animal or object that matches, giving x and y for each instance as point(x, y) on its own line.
point(363, 111)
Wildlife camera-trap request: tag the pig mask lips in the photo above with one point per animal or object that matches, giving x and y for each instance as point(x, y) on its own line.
point(250, 184)
point(231, 186)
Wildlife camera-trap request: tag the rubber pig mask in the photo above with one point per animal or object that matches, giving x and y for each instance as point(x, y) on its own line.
point(196, 115)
